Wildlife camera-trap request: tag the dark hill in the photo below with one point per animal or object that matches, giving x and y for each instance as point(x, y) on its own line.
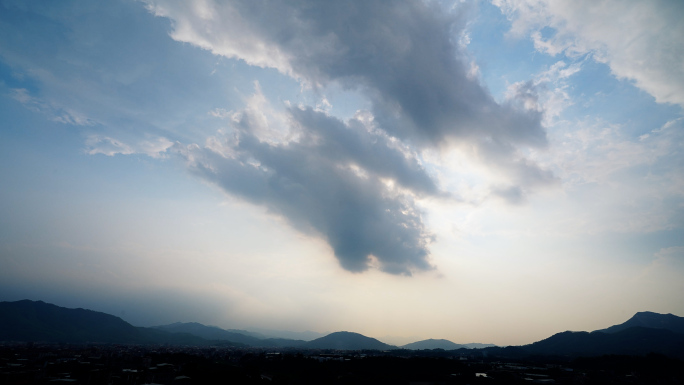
point(156, 336)
point(216, 333)
point(281, 343)
point(477, 345)
point(652, 320)
point(347, 341)
point(208, 332)
point(632, 341)
point(433, 344)
point(37, 321)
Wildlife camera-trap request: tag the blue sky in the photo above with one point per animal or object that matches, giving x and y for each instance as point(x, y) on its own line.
point(485, 171)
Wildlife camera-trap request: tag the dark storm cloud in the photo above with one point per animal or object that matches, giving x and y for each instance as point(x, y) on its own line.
point(329, 183)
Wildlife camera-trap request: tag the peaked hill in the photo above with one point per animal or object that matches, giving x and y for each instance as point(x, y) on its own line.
point(433, 344)
point(347, 341)
point(633, 341)
point(644, 333)
point(651, 320)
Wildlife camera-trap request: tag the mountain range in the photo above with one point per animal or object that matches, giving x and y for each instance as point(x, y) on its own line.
point(37, 321)
point(32, 321)
point(214, 333)
point(636, 340)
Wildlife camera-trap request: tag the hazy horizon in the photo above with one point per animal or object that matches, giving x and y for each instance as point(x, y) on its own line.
point(490, 171)
point(308, 335)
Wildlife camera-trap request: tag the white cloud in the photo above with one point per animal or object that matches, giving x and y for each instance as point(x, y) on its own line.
point(237, 38)
point(616, 183)
point(153, 147)
point(546, 93)
point(54, 111)
point(640, 40)
point(220, 113)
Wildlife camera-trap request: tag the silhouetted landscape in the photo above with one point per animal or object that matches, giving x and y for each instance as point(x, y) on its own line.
point(42, 343)
point(342, 192)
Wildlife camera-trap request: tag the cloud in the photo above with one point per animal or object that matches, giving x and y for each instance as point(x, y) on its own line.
point(354, 182)
point(618, 183)
point(406, 60)
point(404, 57)
point(640, 40)
point(53, 110)
point(546, 93)
point(512, 195)
point(343, 181)
point(75, 64)
point(153, 147)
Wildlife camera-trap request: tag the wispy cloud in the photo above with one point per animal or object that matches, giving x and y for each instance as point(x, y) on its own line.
point(153, 147)
point(50, 109)
point(642, 44)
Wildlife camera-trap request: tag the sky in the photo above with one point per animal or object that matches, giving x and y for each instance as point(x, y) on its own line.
point(480, 171)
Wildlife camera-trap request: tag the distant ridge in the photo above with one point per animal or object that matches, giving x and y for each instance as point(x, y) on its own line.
point(208, 332)
point(37, 321)
point(430, 344)
point(433, 344)
point(216, 333)
point(644, 333)
point(477, 345)
point(651, 320)
point(633, 341)
point(347, 341)
point(307, 335)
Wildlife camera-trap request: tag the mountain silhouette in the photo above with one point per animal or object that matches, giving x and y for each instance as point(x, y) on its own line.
point(651, 320)
point(433, 344)
point(307, 335)
point(477, 345)
point(347, 341)
point(37, 321)
point(632, 341)
point(216, 333)
point(645, 332)
point(208, 332)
